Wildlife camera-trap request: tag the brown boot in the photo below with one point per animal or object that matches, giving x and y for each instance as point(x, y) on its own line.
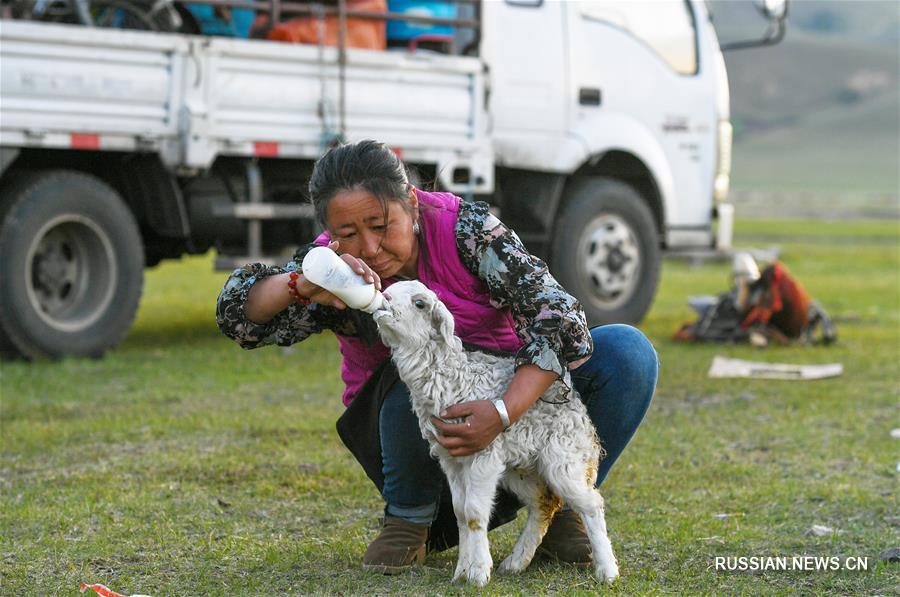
point(566, 540)
point(399, 546)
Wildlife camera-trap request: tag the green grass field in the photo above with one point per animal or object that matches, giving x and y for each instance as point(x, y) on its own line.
point(180, 464)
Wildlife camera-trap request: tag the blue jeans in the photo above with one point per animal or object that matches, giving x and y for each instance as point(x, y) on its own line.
point(616, 384)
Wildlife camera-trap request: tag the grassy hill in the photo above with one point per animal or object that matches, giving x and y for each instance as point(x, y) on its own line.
point(835, 149)
point(821, 111)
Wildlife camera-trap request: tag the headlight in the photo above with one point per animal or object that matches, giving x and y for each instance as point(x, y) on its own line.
point(723, 162)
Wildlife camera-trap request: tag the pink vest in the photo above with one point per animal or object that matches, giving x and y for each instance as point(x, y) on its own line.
point(441, 270)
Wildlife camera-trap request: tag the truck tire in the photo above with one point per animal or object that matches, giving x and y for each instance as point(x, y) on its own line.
point(606, 250)
point(73, 264)
point(8, 350)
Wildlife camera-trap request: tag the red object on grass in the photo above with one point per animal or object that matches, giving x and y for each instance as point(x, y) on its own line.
point(784, 303)
point(104, 591)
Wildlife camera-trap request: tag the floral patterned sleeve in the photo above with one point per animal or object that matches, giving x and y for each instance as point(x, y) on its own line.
point(549, 320)
point(292, 325)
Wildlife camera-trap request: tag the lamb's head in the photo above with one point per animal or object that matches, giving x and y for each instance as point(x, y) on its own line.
point(412, 317)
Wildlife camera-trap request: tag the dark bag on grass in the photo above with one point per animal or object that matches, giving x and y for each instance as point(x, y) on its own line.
point(720, 322)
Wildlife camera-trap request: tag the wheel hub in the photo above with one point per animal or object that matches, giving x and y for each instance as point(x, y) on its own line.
point(55, 264)
point(71, 273)
point(616, 260)
point(609, 256)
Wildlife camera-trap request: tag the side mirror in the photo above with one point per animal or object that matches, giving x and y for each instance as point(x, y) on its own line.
point(776, 12)
point(773, 10)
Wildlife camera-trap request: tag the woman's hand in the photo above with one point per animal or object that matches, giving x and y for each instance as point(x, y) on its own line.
point(482, 421)
point(317, 294)
point(358, 265)
point(481, 425)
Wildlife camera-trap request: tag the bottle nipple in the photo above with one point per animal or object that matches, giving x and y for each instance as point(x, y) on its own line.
point(377, 302)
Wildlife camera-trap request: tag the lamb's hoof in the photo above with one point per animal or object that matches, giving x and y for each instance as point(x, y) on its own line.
point(479, 575)
point(460, 573)
point(512, 565)
point(607, 574)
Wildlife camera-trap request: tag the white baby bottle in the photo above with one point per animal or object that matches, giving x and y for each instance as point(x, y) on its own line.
point(323, 267)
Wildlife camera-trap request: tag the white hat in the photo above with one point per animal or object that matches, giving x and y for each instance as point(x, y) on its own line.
point(744, 266)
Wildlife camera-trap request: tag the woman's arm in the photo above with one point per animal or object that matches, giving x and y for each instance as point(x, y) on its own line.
point(267, 298)
point(255, 307)
point(270, 296)
point(550, 320)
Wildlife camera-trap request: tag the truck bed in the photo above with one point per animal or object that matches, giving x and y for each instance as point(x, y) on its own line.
point(194, 98)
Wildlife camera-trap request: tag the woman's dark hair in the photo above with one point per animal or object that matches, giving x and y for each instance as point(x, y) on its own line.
point(367, 165)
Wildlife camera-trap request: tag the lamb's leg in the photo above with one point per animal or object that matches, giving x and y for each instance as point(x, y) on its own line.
point(481, 486)
point(584, 499)
point(542, 505)
point(456, 481)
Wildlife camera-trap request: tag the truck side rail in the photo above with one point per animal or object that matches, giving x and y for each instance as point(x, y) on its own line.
point(198, 119)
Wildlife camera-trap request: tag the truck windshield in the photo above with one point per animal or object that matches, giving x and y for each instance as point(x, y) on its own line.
point(667, 27)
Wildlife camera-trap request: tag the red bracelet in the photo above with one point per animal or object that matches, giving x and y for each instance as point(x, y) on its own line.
point(292, 288)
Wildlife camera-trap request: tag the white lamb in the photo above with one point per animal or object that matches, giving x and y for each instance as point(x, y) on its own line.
point(548, 456)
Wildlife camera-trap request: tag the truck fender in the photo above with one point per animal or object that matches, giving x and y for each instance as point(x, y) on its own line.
point(616, 132)
point(155, 196)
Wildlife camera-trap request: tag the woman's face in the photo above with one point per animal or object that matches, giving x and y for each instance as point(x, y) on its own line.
point(356, 220)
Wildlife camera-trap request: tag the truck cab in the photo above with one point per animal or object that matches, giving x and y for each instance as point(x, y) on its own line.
point(613, 103)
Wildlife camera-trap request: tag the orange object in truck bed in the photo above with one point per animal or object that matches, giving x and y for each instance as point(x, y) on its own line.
point(361, 33)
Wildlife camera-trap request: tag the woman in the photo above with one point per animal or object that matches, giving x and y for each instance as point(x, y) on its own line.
point(502, 299)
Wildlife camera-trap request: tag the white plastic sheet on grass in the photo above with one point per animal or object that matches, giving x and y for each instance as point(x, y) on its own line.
point(725, 367)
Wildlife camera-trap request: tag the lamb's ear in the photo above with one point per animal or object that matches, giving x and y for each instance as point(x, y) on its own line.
point(442, 322)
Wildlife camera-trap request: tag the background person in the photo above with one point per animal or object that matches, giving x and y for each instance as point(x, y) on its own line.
point(502, 299)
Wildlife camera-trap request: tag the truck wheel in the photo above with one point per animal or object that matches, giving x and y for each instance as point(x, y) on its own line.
point(73, 264)
point(606, 251)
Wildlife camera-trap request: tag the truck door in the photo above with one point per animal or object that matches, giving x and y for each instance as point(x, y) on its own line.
point(642, 67)
point(523, 46)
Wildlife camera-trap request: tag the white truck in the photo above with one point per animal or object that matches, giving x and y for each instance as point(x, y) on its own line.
point(598, 129)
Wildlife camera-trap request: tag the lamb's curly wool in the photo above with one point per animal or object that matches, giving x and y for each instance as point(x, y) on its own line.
point(549, 455)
